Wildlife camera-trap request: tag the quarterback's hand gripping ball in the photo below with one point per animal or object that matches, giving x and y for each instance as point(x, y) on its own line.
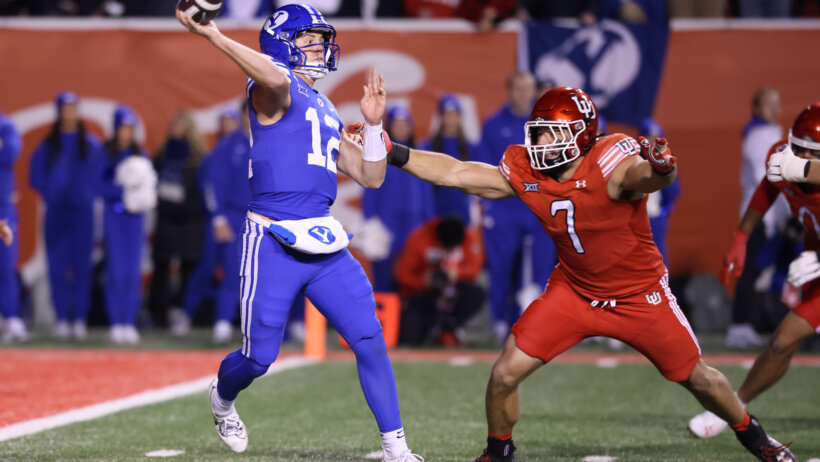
point(201, 11)
point(658, 155)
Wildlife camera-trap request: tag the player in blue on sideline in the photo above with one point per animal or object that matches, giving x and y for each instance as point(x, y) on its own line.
point(291, 245)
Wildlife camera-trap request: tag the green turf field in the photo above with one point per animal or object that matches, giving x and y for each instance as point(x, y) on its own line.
point(318, 413)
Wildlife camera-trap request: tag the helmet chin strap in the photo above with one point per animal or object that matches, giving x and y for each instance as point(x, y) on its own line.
point(314, 73)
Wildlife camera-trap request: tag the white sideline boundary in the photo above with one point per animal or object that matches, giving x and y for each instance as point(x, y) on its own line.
point(145, 398)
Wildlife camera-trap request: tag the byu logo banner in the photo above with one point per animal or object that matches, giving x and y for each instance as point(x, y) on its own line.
point(617, 64)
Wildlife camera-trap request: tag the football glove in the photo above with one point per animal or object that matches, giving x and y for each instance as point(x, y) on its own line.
point(785, 166)
point(357, 129)
point(804, 268)
point(658, 155)
point(733, 261)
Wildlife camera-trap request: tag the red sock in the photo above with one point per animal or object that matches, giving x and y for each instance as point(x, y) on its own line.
point(743, 425)
point(500, 436)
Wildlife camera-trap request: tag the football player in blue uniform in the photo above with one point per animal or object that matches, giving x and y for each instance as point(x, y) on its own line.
point(291, 246)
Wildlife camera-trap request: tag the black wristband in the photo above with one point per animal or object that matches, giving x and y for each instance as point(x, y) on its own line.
point(806, 169)
point(399, 155)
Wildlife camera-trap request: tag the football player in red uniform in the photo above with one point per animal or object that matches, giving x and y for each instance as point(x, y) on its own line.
point(590, 195)
point(794, 171)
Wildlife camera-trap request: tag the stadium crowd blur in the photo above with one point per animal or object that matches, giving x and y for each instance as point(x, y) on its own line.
point(485, 13)
point(190, 199)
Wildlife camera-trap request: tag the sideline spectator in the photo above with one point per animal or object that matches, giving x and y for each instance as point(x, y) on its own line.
point(759, 134)
point(515, 241)
point(10, 146)
point(65, 170)
point(437, 273)
point(399, 187)
point(180, 214)
point(128, 186)
point(449, 139)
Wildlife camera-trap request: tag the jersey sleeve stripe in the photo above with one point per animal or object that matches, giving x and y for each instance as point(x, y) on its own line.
point(607, 170)
point(505, 171)
point(248, 85)
point(608, 155)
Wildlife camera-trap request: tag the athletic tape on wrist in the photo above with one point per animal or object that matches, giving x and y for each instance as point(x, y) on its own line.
point(373, 149)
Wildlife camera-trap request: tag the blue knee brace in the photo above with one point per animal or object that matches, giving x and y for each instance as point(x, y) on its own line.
point(377, 381)
point(236, 373)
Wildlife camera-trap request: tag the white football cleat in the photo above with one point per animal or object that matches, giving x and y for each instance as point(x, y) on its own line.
point(406, 457)
point(15, 331)
point(707, 425)
point(229, 427)
point(223, 330)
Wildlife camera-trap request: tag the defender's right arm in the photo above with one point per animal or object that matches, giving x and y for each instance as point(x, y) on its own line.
point(272, 82)
point(477, 178)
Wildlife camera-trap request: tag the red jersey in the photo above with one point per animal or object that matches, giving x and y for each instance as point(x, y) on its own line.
point(605, 246)
point(803, 199)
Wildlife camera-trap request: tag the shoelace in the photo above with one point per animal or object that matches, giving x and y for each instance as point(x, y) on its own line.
point(230, 426)
point(772, 454)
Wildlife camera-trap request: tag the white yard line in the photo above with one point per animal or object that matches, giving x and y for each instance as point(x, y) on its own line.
point(145, 398)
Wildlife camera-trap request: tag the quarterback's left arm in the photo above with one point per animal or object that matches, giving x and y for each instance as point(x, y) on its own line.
point(656, 171)
point(366, 162)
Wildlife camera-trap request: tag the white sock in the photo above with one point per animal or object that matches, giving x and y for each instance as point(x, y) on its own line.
point(220, 406)
point(394, 444)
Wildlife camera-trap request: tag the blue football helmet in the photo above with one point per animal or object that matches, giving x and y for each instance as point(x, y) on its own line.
point(282, 28)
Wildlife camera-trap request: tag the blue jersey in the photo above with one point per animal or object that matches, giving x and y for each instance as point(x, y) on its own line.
point(293, 161)
point(10, 144)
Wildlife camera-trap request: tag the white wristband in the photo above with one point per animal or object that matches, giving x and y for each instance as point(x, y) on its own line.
point(373, 149)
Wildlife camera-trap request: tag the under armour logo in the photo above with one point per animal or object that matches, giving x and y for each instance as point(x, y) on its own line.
point(531, 187)
point(654, 298)
point(579, 184)
point(322, 234)
point(585, 106)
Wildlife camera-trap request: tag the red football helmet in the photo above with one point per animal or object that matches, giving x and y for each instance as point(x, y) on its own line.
point(572, 119)
point(805, 132)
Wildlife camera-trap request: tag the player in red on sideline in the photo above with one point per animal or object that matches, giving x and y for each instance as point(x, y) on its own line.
point(590, 195)
point(794, 171)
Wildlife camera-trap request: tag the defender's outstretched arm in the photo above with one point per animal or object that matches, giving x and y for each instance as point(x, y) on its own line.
point(477, 178)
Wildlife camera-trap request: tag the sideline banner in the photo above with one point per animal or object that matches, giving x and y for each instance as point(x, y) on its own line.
point(619, 65)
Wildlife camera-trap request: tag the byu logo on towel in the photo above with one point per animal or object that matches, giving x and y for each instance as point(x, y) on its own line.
point(322, 234)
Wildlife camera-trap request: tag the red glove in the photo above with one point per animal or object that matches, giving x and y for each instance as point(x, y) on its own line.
point(658, 155)
point(358, 129)
point(733, 261)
